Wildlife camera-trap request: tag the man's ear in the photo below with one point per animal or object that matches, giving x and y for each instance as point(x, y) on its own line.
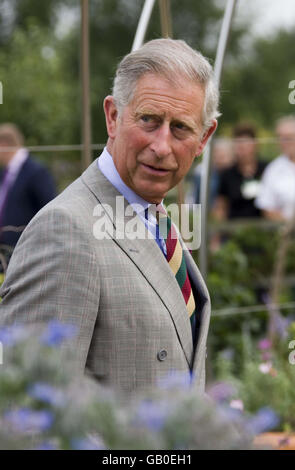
point(111, 115)
point(206, 136)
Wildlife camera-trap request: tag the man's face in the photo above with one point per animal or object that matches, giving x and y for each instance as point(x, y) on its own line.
point(245, 148)
point(159, 133)
point(5, 154)
point(286, 136)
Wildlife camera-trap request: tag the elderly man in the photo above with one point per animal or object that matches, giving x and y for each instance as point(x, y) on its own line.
point(141, 306)
point(277, 193)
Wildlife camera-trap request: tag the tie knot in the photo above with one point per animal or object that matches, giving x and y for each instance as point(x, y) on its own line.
point(160, 209)
point(156, 210)
point(165, 227)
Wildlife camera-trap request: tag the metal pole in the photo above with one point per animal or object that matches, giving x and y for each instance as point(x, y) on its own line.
point(207, 157)
point(86, 119)
point(143, 24)
point(223, 38)
point(165, 15)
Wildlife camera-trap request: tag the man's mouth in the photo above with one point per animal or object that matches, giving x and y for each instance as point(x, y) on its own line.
point(154, 170)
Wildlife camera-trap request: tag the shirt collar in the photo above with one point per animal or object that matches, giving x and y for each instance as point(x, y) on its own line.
point(109, 170)
point(17, 160)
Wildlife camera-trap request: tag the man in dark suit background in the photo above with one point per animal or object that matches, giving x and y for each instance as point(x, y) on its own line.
point(25, 186)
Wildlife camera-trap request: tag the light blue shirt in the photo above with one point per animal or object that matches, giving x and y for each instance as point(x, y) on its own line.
point(109, 170)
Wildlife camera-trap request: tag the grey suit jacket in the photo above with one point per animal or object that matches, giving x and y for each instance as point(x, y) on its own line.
point(132, 319)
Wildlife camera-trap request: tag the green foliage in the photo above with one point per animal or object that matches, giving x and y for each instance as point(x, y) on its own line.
point(239, 275)
point(266, 378)
point(257, 85)
point(35, 92)
point(277, 390)
point(258, 244)
point(228, 278)
point(243, 265)
point(21, 12)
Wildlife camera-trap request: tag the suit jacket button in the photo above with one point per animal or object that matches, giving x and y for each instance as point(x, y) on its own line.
point(162, 355)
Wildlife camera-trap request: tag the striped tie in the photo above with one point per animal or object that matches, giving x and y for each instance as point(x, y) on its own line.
point(176, 260)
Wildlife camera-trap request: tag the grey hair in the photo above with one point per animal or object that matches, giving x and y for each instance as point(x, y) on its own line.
point(172, 59)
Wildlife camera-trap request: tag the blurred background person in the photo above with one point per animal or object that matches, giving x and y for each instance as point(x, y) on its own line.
point(25, 185)
point(222, 158)
point(277, 193)
point(239, 184)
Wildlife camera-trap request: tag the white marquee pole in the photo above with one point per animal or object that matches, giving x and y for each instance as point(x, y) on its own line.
point(207, 157)
point(143, 24)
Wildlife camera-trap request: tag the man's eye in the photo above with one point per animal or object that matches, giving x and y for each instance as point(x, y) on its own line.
point(146, 118)
point(180, 126)
point(149, 122)
point(180, 130)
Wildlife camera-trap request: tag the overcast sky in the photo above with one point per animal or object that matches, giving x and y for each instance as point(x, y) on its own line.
point(268, 15)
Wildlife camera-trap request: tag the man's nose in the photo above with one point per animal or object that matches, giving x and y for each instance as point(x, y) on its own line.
point(161, 143)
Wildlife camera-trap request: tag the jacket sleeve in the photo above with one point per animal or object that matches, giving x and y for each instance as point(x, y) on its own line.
point(53, 273)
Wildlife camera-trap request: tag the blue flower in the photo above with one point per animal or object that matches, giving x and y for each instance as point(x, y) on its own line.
point(152, 415)
point(264, 420)
point(11, 335)
point(221, 391)
point(280, 325)
point(94, 443)
point(57, 332)
point(175, 380)
point(46, 445)
point(25, 419)
point(48, 394)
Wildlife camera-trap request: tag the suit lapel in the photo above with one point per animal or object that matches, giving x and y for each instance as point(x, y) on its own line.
point(146, 255)
point(203, 306)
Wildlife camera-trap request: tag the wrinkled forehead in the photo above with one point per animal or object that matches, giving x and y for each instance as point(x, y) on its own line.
point(175, 80)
